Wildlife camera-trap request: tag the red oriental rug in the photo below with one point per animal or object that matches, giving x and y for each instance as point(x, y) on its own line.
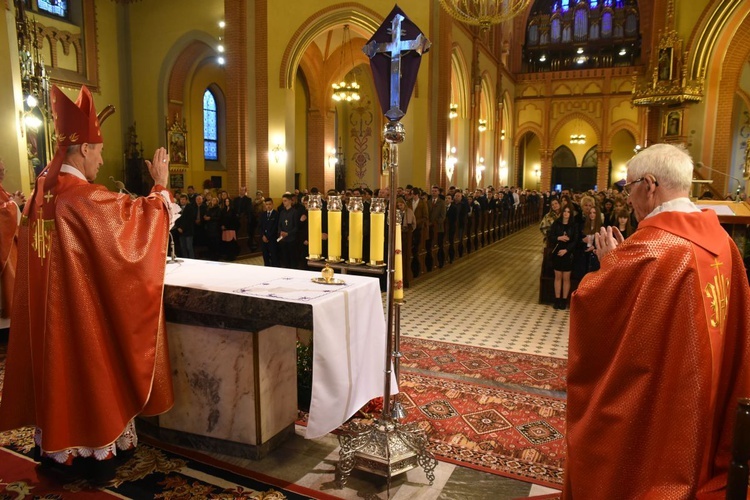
point(509, 368)
point(497, 430)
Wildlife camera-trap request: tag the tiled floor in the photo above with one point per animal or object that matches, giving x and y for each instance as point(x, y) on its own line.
point(487, 299)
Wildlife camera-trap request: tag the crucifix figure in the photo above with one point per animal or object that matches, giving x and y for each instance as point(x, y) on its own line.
point(393, 49)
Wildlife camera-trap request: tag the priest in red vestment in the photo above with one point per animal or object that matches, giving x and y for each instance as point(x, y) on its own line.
point(659, 347)
point(87, 350)
point(10, 215)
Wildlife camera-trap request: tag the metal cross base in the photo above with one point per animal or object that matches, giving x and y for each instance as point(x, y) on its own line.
point(386, 448)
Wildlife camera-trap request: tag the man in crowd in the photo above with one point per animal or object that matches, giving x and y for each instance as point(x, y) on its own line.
point(288, 232)
point(81, 365)
point(269, 232)
point(437, 228)
point(185, 226)
point(10, 216)
point(652, 397)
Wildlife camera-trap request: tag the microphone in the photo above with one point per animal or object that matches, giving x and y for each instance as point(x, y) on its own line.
point(119, 185)
point(700, 165)
point(173, 255)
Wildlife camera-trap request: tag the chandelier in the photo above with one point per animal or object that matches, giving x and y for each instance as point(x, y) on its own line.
point(484, 13)
point(346, 90)
point(578, 138)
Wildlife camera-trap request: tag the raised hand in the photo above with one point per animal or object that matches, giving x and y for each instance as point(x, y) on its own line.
point(159, 169)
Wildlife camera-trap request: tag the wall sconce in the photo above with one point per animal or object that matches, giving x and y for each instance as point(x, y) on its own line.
point(480, 169)
point(279, 154)
point(482, 125)
point(502, 135)
point(453, 111)
point(332, 159)
point(637, 149)
point(450, 164)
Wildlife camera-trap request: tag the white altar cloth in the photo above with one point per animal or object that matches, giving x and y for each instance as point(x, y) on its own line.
point(349, 333)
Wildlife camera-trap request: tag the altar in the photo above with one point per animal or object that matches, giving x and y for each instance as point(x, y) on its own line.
point(232, 341)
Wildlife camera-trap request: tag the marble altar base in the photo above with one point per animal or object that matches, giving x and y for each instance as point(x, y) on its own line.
point(235, 391)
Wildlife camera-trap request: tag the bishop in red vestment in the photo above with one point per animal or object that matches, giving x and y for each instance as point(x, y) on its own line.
point(87, 350)
point(652, 395)
point(9, 217)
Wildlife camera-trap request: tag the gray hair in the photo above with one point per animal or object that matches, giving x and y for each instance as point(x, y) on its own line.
point(671, 165)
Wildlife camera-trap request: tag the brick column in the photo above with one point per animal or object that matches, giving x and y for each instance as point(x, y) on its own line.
point(236, 111)
point(261, 93)
point(546, 169)
point(602, 169)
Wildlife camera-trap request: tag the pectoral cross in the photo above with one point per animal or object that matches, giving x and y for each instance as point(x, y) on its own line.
point(394, 49)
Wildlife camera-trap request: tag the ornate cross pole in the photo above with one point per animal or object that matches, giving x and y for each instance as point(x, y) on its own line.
point(387, 447)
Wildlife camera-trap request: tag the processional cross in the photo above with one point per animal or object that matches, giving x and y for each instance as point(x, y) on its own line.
point(393, 49)
point(386, 446)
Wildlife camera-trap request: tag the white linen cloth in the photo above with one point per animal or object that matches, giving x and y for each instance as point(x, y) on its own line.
point(349, 331)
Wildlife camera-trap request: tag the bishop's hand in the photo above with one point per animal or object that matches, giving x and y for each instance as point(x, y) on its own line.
point(159, 169)
point(606, 240)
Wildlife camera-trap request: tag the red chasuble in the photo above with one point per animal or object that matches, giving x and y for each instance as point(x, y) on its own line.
point(88, 350)
point(8, 250)
point(659, 353)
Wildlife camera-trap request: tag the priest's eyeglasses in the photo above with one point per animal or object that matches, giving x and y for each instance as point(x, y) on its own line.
point(627, 187)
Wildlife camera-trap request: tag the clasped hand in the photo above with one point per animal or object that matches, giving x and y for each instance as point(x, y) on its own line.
point(606, 240)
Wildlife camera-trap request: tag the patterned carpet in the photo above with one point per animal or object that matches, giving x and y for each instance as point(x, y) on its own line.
point(512, 369)
point(150, 473)
point(496, 430)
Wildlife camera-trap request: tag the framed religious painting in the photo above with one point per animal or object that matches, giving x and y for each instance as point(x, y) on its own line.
point(177, 141)
point(672, 123)
point(176, 181)
point(666, 63)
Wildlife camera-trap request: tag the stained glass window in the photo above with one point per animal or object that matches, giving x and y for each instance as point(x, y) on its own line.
point(607, 24)
point(210, 132)
point(565, 5)
point(594, 3)
point(56, 7)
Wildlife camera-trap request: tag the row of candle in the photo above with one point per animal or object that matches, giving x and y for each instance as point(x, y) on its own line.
point(377, 234)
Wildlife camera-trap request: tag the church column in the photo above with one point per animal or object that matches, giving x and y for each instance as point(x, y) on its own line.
point(476, 95)
point(546, 169)
point(320, 139)
point(602, 169)
point(440, 61)
point(238, 159)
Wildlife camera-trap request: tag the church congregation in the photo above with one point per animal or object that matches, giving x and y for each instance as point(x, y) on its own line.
point(206, 202)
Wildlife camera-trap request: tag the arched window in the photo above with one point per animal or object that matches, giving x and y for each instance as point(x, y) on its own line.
point(631, 24)
point(565, 5)
point(210, 129)
point(533, 34)
point(57, 8)
point(594, 3)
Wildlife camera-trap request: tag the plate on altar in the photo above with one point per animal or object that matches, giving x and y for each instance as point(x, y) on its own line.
point(323, 281)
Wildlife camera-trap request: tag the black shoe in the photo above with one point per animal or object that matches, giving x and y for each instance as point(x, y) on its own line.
point(556, 305)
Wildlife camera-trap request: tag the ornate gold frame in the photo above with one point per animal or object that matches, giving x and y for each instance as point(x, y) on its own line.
point(177, 145)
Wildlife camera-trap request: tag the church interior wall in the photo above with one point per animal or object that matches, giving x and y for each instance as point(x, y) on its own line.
point(159, 32)
point(12, 143)
point(301, 106)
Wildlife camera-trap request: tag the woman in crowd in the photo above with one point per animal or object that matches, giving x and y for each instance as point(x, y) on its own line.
point(550, 217)
point(409, 221)
point(229, 225)
point(608, 213)
point(585, 259)
point(623, 223)
point(563, 235)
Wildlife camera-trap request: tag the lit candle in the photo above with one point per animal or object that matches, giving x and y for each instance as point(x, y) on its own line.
point(334, 228)
point(398, 268)
point(377, 237)
point(334, 235)
point(355, 237)
point(315, 236)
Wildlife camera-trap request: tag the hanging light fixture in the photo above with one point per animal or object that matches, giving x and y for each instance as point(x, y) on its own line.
point(484, 13)
point(577, 137)
point(453, 113)
point(346, 90)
